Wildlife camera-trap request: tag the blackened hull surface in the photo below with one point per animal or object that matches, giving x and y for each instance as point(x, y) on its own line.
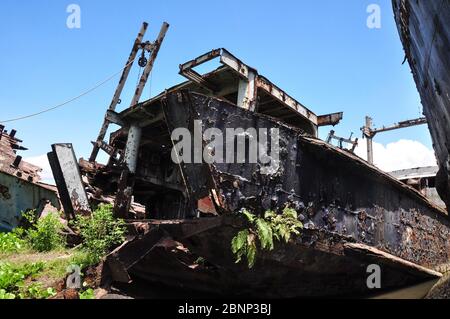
point(316, 264)
point(338, 195)
point(424, 28)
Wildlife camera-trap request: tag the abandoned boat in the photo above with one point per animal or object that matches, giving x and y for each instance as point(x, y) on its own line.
point(424, 28)
point(354, 215)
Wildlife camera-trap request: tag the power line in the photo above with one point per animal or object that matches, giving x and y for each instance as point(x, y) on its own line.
point(70, 100)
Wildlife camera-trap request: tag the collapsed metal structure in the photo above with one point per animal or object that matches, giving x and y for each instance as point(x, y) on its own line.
point(20, 189)
point(354, 214)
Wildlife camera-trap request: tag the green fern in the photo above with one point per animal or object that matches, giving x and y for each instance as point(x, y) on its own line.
point(265, 234)
point(290, 213)
point(239, 244)
point(250, 217)
point(273, 226)
point(251, 250)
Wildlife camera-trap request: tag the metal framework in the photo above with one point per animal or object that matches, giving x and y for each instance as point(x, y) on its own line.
point(147, 46)
point(342, 140)
point(249, 84)
point(369, 132)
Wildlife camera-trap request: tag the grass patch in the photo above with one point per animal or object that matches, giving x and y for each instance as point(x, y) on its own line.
point(32, 275)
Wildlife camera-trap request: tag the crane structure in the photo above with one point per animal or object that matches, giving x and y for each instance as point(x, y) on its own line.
point(369, 132)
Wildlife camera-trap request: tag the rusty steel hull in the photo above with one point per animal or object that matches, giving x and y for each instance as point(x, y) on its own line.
point(354, 214)
point(333, 190)
point(424, 28)
point(316, 264)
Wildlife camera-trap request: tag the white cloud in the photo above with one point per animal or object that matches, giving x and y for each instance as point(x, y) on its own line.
point(402, 154)
point(42, 162)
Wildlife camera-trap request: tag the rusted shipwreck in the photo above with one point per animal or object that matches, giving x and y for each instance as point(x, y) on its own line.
point(20, 186)
point(424, 28)
point(422, 179)
point(354, 214)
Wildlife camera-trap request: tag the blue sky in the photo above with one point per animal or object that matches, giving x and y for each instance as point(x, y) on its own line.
point(320, 52)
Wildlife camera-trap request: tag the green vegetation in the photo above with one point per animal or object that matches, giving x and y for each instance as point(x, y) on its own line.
point(12, 278)
point(35, 259)
point(87, 294)
point(6, 295)
point(45, 233)
point(263, 232)
point(32, 275)
point(42, 235)
point(11, 242)
point(36, 291)
point(100, 232)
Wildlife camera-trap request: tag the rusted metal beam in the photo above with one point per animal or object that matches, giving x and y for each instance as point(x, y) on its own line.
point(242, 69)
point(187, 69)
point(119, 89)
point(68, 180)
point(247, 91)
point(132, 148)
point(13, 164)
point(358, 249)
point(399, 125)
point(108, 149)
point(369, 137)
point(330, 119)
point(284, 98)
point(127, 177)
point(113, 117)
point(200, 60)
point(342, 140)
point(369, 132)
point(249, 83)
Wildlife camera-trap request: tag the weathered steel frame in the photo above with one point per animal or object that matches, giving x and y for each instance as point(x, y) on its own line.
point(369, 132)
point(138, 44)
point(250, 82)
point(67, 175)
point(116, 98)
